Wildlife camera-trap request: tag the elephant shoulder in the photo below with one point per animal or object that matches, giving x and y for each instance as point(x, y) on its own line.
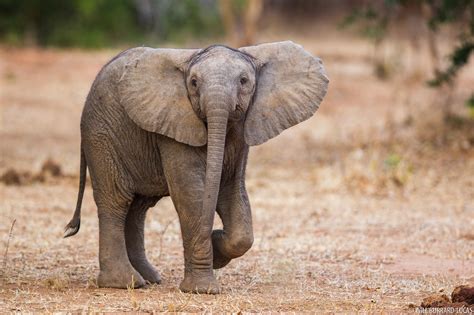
point(115, 68)
point(102, 97)
point(105, 85)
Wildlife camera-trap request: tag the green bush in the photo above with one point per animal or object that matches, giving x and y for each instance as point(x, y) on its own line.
point(184, 18)
point(99, 23)
point(373, 17)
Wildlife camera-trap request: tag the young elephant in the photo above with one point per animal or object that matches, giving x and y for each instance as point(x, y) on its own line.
point(179, 122)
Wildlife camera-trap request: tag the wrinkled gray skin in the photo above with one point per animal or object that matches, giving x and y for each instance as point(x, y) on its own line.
point(179, 122)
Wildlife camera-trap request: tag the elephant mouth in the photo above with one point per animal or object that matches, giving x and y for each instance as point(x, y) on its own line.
point(238, 113)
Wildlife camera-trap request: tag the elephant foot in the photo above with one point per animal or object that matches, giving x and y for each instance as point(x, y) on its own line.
point(148, 272)
point(117, 278)
point(219, 260)
point(200, 284)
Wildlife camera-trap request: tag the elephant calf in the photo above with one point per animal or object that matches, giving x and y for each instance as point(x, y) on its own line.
point(179, 123)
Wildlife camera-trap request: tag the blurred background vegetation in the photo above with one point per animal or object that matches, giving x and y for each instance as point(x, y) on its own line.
point(101, 23)
point(106, 23)
point(375, 19)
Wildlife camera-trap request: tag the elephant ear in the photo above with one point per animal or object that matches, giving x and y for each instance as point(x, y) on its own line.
point(291, 85)
point(152, 91)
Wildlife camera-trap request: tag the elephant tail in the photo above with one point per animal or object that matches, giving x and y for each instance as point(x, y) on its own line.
point(73, 226)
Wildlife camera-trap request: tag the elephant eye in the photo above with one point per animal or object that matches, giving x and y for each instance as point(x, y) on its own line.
point(194, 82)
point(243, 80)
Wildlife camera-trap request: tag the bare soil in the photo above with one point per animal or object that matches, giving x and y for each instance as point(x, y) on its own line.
point(367, 206)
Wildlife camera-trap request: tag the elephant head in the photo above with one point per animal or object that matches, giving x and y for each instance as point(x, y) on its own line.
point(190, 95)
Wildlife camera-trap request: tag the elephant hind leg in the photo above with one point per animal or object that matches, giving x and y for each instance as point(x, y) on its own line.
point(116, 271)
point(113, 195)
point(135, 238)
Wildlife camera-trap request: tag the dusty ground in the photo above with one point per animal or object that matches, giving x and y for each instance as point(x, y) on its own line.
point(366, 206)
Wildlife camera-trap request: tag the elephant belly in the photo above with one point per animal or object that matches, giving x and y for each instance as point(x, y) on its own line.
point(119, 153)
point(143, 164)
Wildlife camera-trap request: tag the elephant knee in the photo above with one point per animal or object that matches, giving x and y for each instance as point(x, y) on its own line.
point(239, 245)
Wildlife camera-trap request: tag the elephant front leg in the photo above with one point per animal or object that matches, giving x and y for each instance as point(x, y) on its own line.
point(196, 230)
point(185, 177)
point(237, 236)
point(198, 273)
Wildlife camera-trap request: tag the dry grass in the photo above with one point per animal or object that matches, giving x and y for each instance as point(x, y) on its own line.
point(366, 207)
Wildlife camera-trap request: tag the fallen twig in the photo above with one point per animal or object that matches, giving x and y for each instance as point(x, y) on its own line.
point(5, 256)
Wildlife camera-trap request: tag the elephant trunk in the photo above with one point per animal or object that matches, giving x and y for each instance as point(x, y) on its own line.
point(217, 116)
